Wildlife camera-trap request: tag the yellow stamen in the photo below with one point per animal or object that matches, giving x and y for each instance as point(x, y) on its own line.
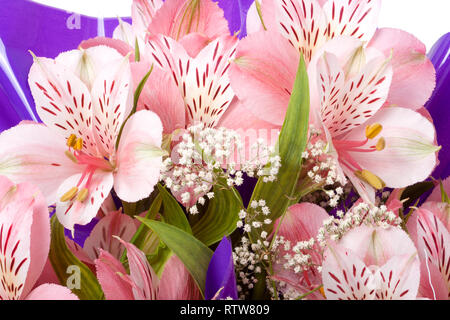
point(371, 179)
point(69, 194)
point(71, 140)
point(381, 144)
point(373, 130)
point(83, 195)
point(71, 156)
point(322, 291)
point(78, 144)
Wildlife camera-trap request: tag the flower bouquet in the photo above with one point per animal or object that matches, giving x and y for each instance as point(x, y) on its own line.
point(231, 149)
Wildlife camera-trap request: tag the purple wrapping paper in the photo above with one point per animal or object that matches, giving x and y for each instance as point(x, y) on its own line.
point(439, 104)
point(24, 26)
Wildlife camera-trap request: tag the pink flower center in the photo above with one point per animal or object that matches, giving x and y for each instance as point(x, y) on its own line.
point(344, 147)
point(91, 163)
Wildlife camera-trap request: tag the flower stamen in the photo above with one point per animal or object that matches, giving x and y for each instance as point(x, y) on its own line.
point(82, 195)
point(373, 130)
point(69, 195)
point(371, 179)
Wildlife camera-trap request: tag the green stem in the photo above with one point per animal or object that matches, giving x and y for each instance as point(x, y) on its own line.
point(308, 293)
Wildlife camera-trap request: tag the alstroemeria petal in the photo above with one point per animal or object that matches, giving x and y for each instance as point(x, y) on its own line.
point(303, 23)
point(433, 245)
point(121, 46)
point(111, 99)
point(398, 278)
point(145, 280)
point(63, 101)
point(300, 223)
point(178, 18)
point(114, 224)
point(177, 283)
point(375, 246)
point(220, 274)
point(115, 282)
point(89, 63)
point(351, 89)
point(15, 240)
point(440, 210)
point(34, 153)
point(139, 156)
point(263, 73)
point(50, 291)
point(409, 154)
point(202, 80)
point(357, 19)
point(160, 95)
point(142, 13)
point(345, 276)
point(414, 75)
point(74, 211)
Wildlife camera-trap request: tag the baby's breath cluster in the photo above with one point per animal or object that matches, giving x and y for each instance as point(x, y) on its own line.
point(293, 256)
point(322, 169)
point(363, 213)
point(247, 259)
point(213, 156)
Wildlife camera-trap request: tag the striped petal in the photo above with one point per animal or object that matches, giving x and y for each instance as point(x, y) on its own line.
point(114, 224)
point(353, 92)
point(74, 211)
point(145, 280)
point(399, 278)
point(345, 276)
point(433, 244)
point(111, 94)
point(62, 100)
point(115, 282)
point(203, 81)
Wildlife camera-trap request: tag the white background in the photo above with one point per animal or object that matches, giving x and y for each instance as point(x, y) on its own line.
point(426, 19)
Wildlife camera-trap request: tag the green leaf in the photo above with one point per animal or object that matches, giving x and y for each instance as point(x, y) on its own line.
point(282, 193)
point(191, 251)
point(173, 213)
point(62, 258)
point(137, 54)
point(141, 237)
point(221, 216)
point(444, 195)
point(159, 258)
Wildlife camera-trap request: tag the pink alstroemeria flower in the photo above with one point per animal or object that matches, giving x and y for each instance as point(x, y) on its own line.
point(301, 223)
point(371, 263)
point(182, 20)
point(24, 244)
point(264, 70)
point(200, 84)
point(429, 227)
point(83, 98)
point(374, 146)
point(102, 237)
point(142, 283)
